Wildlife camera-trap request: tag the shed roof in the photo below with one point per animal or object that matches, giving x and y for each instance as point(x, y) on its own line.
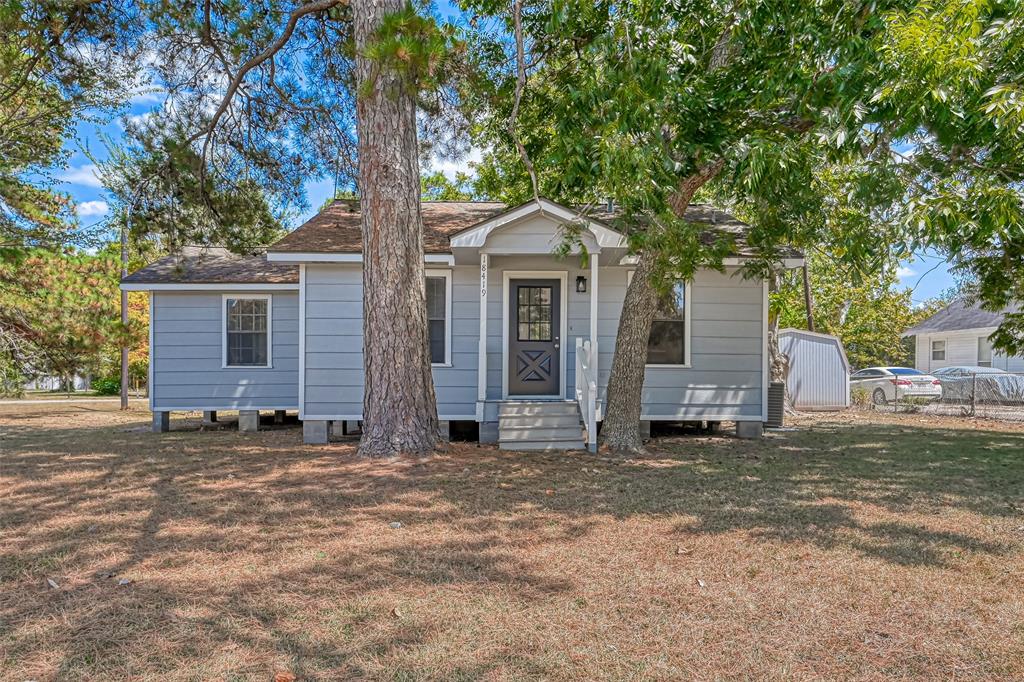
point(214, 265)
point(959, 315)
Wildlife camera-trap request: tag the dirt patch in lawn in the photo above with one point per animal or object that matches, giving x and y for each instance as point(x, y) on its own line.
point(848, 548)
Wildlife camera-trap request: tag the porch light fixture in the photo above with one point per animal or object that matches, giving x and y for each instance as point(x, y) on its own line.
point(581, 284)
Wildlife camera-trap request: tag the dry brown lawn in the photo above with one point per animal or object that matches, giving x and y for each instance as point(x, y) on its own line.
point(846, 549)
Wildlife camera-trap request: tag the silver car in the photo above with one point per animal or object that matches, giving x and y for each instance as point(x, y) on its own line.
point(986, 384)
point(887, 384)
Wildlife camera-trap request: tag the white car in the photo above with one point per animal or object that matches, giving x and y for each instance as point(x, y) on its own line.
point(887, 384)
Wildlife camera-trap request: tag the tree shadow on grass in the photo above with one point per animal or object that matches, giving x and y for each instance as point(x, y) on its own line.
point(85, 504)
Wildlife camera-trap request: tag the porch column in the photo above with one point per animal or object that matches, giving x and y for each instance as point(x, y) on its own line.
point(594, 287)
point(481, 370)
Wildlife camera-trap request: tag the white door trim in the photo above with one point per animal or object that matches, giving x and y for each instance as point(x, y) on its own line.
point(563, 298)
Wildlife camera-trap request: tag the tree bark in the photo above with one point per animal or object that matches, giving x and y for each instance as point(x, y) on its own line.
point(399, 405)
point(621, 428)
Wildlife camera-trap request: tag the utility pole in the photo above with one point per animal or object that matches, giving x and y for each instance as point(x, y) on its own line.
point(808, 300)
point(124, 317)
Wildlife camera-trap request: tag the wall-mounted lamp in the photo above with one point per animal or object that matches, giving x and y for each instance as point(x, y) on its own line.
point(581, 284)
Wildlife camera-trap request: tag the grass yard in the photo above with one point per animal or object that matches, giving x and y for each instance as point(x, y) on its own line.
point(846, 549)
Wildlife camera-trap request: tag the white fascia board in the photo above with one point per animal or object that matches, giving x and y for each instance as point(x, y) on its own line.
point(309, 257)
point(208, 286)
point(788, 263)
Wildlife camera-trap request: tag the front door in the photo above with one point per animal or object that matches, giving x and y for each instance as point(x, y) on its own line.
point(533, 339)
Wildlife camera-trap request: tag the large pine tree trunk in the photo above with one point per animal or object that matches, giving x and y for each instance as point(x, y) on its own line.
point(621, 428)
point(399, 406)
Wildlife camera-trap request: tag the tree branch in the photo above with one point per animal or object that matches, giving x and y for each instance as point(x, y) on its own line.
point(517, 15)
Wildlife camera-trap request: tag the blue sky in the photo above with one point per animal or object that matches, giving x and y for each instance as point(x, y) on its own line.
point(927, 274)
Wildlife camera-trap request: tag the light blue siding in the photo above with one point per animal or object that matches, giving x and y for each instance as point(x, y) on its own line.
point(188, 372)
point(334, 344)
point(724, 380)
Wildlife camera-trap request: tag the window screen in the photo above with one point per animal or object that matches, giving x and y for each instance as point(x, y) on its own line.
point(437, 304)
point(938, 350)
point(667, 342)
point(247, 339)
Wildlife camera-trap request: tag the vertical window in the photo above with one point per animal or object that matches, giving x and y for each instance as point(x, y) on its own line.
point(667, 342)
point(438, 319)
point(938, 350)
point(534, 313)
point(247, 332)
point(984, 352)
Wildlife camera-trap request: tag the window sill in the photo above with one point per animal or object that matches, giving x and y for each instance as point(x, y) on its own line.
point(441, 364)
point(247, 367)
point(662, 366)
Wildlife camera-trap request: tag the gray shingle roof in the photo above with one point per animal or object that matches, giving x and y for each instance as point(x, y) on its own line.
point(959, 315)
point(337, 229)
point(214, 265)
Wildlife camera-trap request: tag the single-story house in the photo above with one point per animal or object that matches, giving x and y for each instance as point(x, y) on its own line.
point(522, 341)
point(959, 335)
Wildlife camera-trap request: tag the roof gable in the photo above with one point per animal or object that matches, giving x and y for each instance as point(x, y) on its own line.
point(959, 315)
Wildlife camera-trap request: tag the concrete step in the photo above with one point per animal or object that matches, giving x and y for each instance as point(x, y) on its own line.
point(533, 408)
point(559, 433)
point(539, 421)
point(542, 445)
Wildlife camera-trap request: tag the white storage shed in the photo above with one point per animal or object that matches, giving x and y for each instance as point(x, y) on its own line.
point(819, 374)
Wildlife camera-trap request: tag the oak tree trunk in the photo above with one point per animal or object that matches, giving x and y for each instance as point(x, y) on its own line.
point(621, 428)
point(399, 406)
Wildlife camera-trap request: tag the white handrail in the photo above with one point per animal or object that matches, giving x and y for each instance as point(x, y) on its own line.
point(586, 388)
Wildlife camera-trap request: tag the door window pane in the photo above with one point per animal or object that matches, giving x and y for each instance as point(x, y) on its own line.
point(533, 313)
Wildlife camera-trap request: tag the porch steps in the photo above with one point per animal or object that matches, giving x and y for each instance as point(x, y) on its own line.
point(540, 425)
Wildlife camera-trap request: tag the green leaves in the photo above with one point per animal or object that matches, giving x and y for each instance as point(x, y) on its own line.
point(415, 47)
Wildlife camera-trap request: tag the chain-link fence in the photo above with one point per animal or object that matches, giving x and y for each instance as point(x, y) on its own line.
point(989, 394)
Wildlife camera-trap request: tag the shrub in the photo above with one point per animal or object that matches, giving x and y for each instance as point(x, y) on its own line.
point(107, 386)
point(860, 397)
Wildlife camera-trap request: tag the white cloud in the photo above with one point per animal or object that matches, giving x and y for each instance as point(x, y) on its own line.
point(450, 168)
point(903, 272)
point(93, 208)
point(86, 175)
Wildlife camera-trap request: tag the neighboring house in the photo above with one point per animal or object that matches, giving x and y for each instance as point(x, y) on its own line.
point(819, 373)
point(509, 324)
point(959, 335)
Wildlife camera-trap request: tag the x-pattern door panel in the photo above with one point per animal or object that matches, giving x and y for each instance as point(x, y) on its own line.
point(535, 314)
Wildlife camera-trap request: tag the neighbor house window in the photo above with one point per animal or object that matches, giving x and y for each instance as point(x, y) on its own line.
point(667, 344)
point(439, 317)
point(247, 331)
point(938, 350)
point(984, 352)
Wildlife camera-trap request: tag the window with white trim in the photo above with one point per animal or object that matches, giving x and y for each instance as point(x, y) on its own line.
point(438, 290)
point(247, 331)
point(666, 344)
point(984, 352)
point(938, 350)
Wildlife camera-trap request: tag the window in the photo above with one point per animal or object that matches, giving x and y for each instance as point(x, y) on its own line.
point(534, 313)
point(938, 350)
point(984, 352)
point(438, 288)
point(247, 331)
point(667, 344)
